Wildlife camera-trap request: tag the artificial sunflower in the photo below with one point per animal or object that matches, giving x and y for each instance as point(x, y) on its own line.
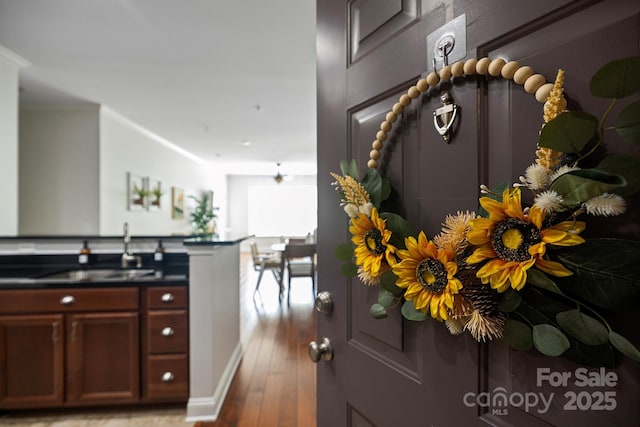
point(428, 275)
point(374, 254)
point(513, 241)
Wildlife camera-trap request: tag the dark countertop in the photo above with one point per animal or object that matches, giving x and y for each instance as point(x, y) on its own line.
point(51, 283)
point(216, 240)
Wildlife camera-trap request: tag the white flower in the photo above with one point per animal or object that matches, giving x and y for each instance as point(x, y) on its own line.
point(536, 177)
point(606, 204)
point(561, 171)
point(351, 210)
point(366, 208)
point(549, 201)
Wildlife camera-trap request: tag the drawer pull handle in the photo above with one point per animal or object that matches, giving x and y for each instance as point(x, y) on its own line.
point(167, 377)
point(67, 300)
point(167, 297)
point(168, 331)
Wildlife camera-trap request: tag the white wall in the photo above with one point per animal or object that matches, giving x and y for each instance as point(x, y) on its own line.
point(59, 170)
point(9, 70)
point(126, 147)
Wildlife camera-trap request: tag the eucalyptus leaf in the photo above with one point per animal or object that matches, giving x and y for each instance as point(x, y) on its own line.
point(517, 335)
point(542, 281)
point(509, 301)
point(549, 340)
point(344, 252)
point(576, 187)
point(628, 123)
point(377, 311)
point(624, 346)
point(372, 182)
point(385, 298)
point(399, 226)
point(606, 272)
point(617, 79)
point(584, 328)
point(350, 169)
point(388, 281)
point(349, 269)
point(626, 165)
point(410, 313)
point(569, 132)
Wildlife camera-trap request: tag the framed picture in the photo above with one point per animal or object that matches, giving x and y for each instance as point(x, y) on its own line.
point(155, 194)
point(177, 203)
point(137, 192)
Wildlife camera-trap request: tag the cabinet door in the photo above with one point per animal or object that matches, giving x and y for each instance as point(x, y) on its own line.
point(31, 361)
point(102, 358)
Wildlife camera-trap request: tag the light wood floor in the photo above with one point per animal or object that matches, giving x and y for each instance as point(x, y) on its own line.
point(275, 383)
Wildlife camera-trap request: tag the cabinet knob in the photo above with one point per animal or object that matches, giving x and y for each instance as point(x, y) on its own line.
point(67, 299)
point(167, 331)
point(167, 377)
point(167, 297)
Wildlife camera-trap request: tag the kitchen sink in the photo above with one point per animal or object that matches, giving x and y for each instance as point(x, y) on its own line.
point(102, 274)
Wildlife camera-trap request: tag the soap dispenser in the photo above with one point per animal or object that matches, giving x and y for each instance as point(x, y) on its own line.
point(85, 254)
point(158, 259)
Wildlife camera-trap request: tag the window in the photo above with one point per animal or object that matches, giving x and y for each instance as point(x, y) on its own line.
point(282, 210)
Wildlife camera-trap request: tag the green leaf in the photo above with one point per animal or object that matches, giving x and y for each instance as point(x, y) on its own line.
point(349, 269)
point(549, 340)
point(399, 226)
point(388, 281)
point(628, 123)
point(372, 182)
point(584, 328)
point(377, 311)
point(385, 298)
point(350, 169)
point(410, 313)
point(624, 346)
point(576, 187)
point(517, 335)
point(606, 272)
point(542, 281)
point(617, 79)
point(569, 132)
point(625, 165)
point(344, 252)
point(509, 301)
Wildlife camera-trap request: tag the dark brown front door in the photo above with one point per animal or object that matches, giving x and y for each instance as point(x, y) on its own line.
point(393, 372)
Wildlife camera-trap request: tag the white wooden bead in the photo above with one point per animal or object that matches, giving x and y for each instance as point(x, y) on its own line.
point(483, 65)
point(457, 69)
point(413, 92)
point(509, 69)
point(470, 66)
point(374, 154)
point(522, 74)
point(496, 66)
point(372, 164)
point(377, 145)
point(543, 92)
point(533, 83)
point(433, 79)
point(445, 73)
point(391, 117)
point(381, 135)
point(422, 85)
point(385, 126)
point(397, 108)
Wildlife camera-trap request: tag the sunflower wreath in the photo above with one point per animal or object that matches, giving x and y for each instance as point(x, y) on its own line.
point(523, 275)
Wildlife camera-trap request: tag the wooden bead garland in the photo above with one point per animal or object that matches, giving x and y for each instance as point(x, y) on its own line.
point(523, 75)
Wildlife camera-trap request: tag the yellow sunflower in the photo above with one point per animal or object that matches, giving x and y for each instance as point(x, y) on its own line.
point(428, 274)
point(374, 254)
point(514, 241)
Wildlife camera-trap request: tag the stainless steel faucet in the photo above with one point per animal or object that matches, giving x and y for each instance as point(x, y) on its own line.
point(127, 258)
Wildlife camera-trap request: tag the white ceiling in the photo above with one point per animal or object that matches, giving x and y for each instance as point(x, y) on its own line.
point(205, 75)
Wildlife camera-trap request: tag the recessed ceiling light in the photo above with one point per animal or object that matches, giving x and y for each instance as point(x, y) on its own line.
point(246, 143)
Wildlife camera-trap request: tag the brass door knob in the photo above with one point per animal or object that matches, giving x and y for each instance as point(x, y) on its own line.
point(323, 350)
point(324, 303)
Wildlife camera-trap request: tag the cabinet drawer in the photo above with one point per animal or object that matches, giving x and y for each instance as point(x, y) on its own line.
point(167, 331)
point(167, 376)
point(68, 300)
point(166, 297)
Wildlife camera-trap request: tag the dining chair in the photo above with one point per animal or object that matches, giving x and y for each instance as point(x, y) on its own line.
point(266, 261)
point(300, 262)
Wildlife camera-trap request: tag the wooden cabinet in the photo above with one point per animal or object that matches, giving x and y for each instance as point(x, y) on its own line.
point(69, 347)
point(165, 357)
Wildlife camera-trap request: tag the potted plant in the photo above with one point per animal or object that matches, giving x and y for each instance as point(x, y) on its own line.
point(203, 215)
point(139, 194)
